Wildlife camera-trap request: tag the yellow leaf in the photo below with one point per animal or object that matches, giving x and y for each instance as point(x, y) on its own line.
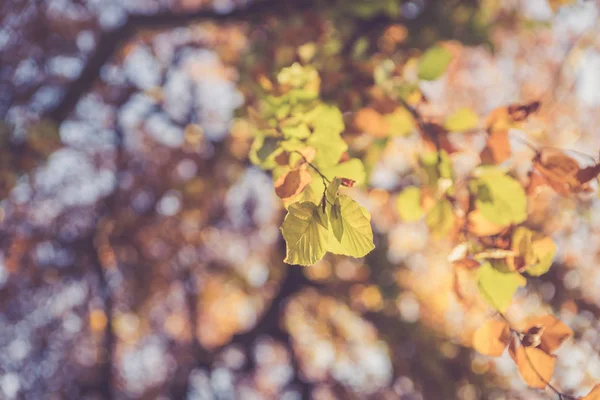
point(462, 120)
point(400, 122)
point(408, 204)
point(440, 219)
point(492, 338)
point(544, 250)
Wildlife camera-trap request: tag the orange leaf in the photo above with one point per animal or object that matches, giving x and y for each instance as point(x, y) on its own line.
point(491, 338)
point(292, 183)
point(535, 366)
point(594, 394)
point(369, 120)
point(554, 334)
point(497, 148)
point(480, 226)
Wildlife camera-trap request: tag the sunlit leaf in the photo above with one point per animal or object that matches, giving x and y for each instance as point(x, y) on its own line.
point(327, 125)
point(354, 228)
point(400, 122)
point(498, 286)
point(500, 198)
point(408, 204)
point(433, 63)
point(299, 131)
point(536, 367)
point(491, 338)
point(440, 219)
point(544, 250)
point(463, 119)
point(305, 232)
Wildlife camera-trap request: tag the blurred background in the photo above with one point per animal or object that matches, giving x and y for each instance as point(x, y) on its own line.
point(140, 251)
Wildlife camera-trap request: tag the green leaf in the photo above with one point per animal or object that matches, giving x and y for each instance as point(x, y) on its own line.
point(337, 223)
point(408, 204)
point(297, 75)
point(498, 285)
point(433, 63)
point(462, 120)
point(332, 189)
point(329, 149)
point(325, 118)
point(304, 230)
point(354, 229)
point(327, 123)
point(352, 169)
point(435, 168)
point(500, 198)
point(440, 219)
point(300, 131)
point(264, 150)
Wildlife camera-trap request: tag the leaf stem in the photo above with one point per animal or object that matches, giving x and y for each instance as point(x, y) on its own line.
point(325, 180)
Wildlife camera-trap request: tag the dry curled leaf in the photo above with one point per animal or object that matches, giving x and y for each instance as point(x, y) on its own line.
point(520, 112)
point(563, 172)
point(348, 182)
point(292, 183)
point(553, 334)
point(492, 338)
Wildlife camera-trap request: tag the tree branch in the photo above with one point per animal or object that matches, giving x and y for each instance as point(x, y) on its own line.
point(111, 41)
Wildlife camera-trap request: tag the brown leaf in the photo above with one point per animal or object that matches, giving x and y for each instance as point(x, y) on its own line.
point(492, 338)
point(520, 112)
point(535, 365)
point(497, 148)
point(436, 138)
point(348, 182)
point(554, 333)
point(371, 121)
point(292, 183)
point(587, 174)
point(594, 394)
point(561, 172)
